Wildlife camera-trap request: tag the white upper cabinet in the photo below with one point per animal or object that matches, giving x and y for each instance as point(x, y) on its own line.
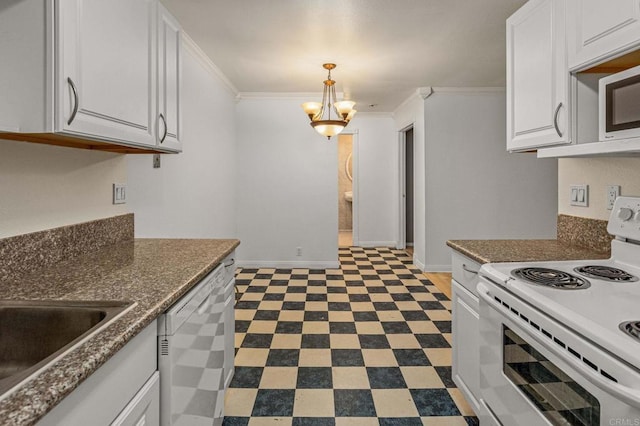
point(169, 77)
point(537, 78)
point(97, 74)
point(105, 81)
point(599, 29)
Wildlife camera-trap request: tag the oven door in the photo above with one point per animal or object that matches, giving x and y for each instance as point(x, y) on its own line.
point(528, 376)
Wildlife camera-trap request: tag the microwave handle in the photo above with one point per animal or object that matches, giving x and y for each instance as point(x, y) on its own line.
point(624, 393)
point(555, 119)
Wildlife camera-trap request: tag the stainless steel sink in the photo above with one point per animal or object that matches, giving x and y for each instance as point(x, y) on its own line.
point(34, 333)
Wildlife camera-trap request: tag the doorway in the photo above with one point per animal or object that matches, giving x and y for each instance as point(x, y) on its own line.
point(345, 190)
point(406, 178)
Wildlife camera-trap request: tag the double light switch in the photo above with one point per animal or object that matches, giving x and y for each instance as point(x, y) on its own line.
point(579, 195)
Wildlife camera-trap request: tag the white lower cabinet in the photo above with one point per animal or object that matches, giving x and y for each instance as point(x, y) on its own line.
point(124, 391)
point(465, 329)
point(144, 408)
point(466, 359)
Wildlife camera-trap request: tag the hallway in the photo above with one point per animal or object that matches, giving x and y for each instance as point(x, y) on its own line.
point(365, 344)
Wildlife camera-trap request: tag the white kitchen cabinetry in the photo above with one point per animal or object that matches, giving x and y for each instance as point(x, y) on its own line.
point(600, 29)
point(144, 408)
point(124, 390)
point(105, 82)
point(169, 81)
point(537, 78)
point(465, 328)
point(84, 73)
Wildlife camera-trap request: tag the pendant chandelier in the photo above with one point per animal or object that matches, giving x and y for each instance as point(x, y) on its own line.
point(320, 113)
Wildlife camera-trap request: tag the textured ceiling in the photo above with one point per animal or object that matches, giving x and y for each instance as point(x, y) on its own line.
point(384, 49)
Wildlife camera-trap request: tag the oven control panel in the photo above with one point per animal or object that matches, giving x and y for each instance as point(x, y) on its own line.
point(625, 218)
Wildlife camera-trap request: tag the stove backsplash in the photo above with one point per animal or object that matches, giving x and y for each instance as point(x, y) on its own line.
point(584, 232)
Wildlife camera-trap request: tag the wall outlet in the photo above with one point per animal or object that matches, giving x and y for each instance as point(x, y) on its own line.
point(156, 161)
point(613, 192)
point(119, 193)
point(579, 195)
point(298, 251)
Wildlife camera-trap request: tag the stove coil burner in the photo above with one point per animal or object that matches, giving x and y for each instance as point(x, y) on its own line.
point(551, 278)
point(606, 273)
point(632, 328)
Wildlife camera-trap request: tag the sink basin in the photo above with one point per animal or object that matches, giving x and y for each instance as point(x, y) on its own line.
point(35, 333)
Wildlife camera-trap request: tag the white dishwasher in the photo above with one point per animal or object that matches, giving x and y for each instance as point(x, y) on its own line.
point(191, 352)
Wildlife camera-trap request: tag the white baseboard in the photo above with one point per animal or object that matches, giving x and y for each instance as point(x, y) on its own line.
point(372, 244)
point(287, 264)
point(436, 268)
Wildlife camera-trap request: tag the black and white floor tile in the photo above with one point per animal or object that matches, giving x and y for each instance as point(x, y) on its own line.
point(366, 344)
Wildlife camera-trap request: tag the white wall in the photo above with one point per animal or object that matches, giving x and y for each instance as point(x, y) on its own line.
point(474, 188)
point(377, 179)
point(463, 173)
point(192, 194)
point(288, 184)
point(43, 187)
point(597, 173)
point(287, 193)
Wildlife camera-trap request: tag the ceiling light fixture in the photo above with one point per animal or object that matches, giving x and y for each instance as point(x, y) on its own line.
point(320, 113)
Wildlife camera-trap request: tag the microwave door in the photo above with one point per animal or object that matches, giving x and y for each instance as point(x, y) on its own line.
point(623, 105)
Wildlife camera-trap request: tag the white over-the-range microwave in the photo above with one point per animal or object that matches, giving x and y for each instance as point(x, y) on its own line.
point(619, 105)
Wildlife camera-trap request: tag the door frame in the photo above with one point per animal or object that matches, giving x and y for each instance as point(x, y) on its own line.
point(355, 209)
point(402, 186)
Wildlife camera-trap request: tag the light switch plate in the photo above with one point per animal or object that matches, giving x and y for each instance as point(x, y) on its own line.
point(579, 195)
point(119, 193)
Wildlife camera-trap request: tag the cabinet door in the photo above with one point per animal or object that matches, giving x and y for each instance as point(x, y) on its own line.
point(537, 76)
point(466, 357)
point(598, 29)
point(144, 408)
point(105, 79)
point(169, 81)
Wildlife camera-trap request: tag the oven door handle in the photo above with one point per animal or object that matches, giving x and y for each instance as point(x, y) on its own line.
point(628, 395)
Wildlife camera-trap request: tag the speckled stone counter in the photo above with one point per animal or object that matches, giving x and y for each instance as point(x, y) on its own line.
point(154, 273)
point(487, 251)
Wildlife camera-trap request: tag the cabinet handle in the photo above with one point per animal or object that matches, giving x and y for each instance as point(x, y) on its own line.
point(555, 119)
point(465, 268)
point(231, 263)
point(75, 101)
point(164, 123)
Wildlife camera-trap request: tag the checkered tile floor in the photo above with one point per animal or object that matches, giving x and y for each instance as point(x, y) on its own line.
point(366, 344)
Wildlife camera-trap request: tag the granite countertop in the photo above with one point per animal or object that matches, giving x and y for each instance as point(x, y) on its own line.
point(487, 251)
point(153, 273)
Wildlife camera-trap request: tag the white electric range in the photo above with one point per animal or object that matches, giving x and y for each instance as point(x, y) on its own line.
point(560, 341)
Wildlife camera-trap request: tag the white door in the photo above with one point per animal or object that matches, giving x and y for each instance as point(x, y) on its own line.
point(169, 77)
point(105, 79)
point(600, 28)
point(537, 77)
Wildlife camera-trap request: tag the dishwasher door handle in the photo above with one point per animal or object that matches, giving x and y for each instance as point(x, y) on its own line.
point(204, 305)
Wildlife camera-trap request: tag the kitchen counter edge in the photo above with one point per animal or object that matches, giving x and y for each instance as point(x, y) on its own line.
point(493, 251)
point(156, 279)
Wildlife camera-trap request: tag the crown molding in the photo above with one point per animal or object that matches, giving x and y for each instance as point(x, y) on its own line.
point(468, 90)
point(373, 114)
point(207, 63)
point(292, 96)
